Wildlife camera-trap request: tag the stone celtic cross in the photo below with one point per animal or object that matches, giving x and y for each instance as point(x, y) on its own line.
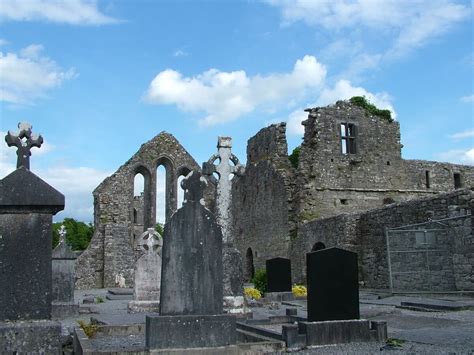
point(193, 185)
point(62, 234)
point(24, 140)
point(151, 241)
point(224, 171)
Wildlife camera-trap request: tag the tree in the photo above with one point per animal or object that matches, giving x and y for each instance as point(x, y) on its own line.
point(78, 234)
point(159, 228)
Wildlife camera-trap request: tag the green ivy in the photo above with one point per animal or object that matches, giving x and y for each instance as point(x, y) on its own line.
point(294, 157)
point(361, 101)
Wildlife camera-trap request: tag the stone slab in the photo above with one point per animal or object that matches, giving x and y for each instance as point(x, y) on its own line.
point(118, 297)
point(436, 305)
point(279, 296)
point(120, 291)
point(30, 337)
point(190, 331)
point(144, 306)
point(64, 310)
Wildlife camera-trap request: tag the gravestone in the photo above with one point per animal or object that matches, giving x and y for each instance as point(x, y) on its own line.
point(232, 260)
point(333, 288)
point(278, 275)
point(27, 205)
point(63, 279)
point(191, 288)
point(146, 291)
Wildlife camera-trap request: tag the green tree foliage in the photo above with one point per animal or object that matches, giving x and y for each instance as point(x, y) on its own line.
point(294, 157)
point(78, 235)
point(362, 101)
point(159, 228)
point(259, 280)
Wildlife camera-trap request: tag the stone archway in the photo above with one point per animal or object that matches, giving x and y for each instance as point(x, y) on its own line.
point(318, 246)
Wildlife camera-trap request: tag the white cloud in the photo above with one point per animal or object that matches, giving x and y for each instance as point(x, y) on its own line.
point(294, 125)
point(73, 12)
point(411, 23)
point(225, 96)
point(28, 75)
point(180, 53)
point(462, 135)
point(458, 156)
point(467, 98)
point(343, 90)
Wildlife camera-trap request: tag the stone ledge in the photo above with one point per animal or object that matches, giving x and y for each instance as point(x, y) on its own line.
point(144, 306)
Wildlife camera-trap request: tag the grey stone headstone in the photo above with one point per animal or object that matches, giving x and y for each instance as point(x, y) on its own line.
point(27, 204)
point(192, 256)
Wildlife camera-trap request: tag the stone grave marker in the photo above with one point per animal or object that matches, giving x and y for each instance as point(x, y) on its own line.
point(278, 275)
point(27, 205)
point(191, 285)
point(147, 278)
point(232, 260)
point(333, 288)
point(63, 279)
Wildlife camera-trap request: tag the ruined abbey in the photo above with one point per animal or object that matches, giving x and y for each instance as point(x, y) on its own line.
point(348, 186)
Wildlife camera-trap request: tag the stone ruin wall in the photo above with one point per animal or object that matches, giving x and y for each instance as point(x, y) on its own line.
point(364, 233)
point(111, 251)
point(274, 200)
point(262, 199)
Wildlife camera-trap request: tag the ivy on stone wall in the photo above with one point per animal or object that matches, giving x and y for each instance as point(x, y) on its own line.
point(361, 101)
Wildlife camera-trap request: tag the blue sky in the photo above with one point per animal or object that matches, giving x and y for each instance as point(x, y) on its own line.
point(99, 78)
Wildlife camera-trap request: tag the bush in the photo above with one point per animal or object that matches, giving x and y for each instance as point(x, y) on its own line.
point(252, 293)
point(299, 291)
point(78, 234)
point(260, 280)
point(294, 157)
point(361, 101)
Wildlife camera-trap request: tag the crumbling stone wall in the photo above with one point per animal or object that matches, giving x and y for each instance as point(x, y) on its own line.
point(110, 252)
point(262, 199)
point(364, 233)
point(331, 182)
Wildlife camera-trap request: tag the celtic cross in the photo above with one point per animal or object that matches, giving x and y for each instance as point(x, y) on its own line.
point(224, 170)
point(62, 234)
point(151, 241)
point(24, 140)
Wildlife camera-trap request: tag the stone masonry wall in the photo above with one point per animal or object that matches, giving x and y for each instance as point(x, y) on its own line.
point(364, 233)
point(110, 251)
point(262, 199)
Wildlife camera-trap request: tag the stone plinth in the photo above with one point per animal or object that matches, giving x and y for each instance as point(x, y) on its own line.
point(278, 275)
point(333, 288)
point(191, 331)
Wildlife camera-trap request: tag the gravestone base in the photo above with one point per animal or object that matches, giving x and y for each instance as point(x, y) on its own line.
point(30, 337)
point(144, 306)
point(340, 331)
point(279, 296)
point(190, 331)
point(64, 310)
point(228, 350)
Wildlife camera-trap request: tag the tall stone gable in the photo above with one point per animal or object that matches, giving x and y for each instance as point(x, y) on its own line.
point(111, 251)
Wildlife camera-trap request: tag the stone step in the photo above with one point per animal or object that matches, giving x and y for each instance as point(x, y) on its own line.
point(112, 297)
point(120, 291)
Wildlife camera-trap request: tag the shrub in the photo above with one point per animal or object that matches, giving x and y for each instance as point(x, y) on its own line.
point(361, 101)
point(89, 328)
point(294, 157)
point(252, 293)
point(260, 280)
point(299, 291)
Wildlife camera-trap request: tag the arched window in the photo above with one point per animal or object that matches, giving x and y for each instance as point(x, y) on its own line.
point(318, 246)
point(249, 267)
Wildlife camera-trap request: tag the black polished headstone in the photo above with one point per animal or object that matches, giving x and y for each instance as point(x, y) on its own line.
point(191, 282)
point(333, 288)
point(278, 275)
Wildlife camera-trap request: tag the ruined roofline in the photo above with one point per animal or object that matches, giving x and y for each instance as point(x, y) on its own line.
point(159, 136)
point(435, 162)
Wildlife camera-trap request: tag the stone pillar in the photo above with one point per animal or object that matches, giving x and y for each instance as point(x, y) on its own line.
point(63, 304)
point(27, 205)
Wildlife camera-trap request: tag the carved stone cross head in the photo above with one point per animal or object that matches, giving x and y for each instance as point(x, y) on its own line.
point(224, 169)
point(62, 234)
point(24, 140)
point(151, 241)
point(193, 185)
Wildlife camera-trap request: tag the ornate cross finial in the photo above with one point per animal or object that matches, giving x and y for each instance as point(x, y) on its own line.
point(24, 140)
point(62, 234)
point(193, 185)
point(151, 241)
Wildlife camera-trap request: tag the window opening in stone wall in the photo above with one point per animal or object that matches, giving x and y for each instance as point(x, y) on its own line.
point(425, 239)
point(457, 181)
point(348, 138)
point(180, 191)
point(135, 215)
point(160, 194)
point(138, 207)
point(427, 179)
point(249, 266)
point(344, 201)
point(318, 246)
point(388, 163)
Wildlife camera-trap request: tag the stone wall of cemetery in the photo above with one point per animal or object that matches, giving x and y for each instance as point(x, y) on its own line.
point(262, 199)
point(110, 252)
point(364, 233)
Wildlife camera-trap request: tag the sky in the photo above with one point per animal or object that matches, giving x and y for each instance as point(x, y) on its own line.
point(97, 79)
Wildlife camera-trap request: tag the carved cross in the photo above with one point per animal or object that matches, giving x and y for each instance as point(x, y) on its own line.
point(224, 185)
point(151, 241)
point(193, 185)
point(62, 234)
point(24, 140)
